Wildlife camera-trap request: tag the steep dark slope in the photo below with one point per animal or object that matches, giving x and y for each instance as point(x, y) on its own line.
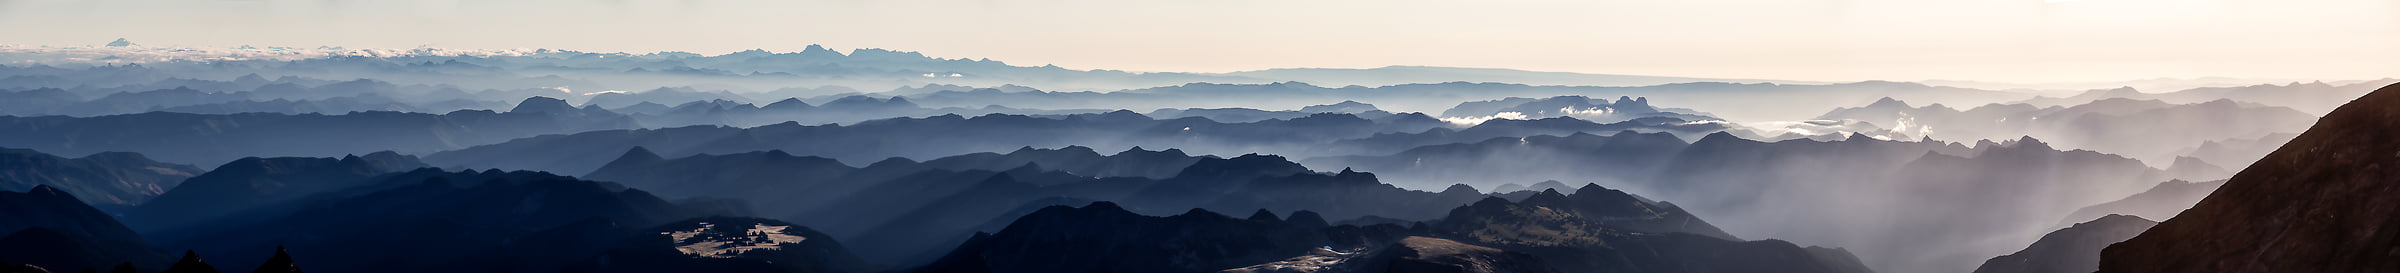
point(49, 228)
point(191, 263)
point(2323, 203)
point(252, 182)
point(104, 179)
point(2075, 249)
point(280, 263)
point(1103, 237)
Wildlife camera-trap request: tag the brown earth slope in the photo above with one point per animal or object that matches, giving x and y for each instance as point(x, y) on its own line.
point(2329, 201)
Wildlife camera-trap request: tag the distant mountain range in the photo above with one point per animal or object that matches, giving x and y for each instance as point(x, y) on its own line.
point(876, 160)
point(1814, 191)
point(2314, 98)
point(959, 195)
point(380, 213)
point(1397, 75)
point(217, 138)
point(934, 136)
point(2152, 130)
point(1548, 232)
point(1739, 102)
point(755, 69)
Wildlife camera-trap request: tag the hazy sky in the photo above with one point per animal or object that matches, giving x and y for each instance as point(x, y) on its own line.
point(1834, 40)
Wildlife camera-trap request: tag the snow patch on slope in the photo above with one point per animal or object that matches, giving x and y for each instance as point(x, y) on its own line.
point(710, 242)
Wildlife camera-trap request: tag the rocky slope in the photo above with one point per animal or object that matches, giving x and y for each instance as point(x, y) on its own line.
point(2328, 201)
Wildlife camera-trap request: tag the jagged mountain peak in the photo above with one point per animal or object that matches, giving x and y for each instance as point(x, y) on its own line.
point(1265, 216)
point(280, 263)
point(190, 263)
point(1306, 218)
point(49, 192)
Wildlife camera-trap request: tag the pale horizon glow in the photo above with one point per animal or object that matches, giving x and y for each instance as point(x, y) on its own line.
point(2027, 41)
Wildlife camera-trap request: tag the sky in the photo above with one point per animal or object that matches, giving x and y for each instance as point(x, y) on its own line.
point(1813, 40)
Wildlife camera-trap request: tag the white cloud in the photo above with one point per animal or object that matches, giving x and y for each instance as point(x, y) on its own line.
point(1472, 121)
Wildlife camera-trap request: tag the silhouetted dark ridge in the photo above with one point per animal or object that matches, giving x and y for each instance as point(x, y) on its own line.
point(1346, 106)
point(6, 267)
point(543, 105)
point(914, 200)
point(1454, 188)
point(280, 263)
point(1241, 167)
point(634, 158)
point(1426, 254)
point(251, 182)
point(1263, 215)
point(62, 249)
point(111, 179)
point(2321, 203)
point(431, 220)
point(1115, 240)
point(50, 228)
point(1492, 235)
point(1555, 228)
point(1306, 219)
point(190, 263)
point(2075, 249)
point(683, 177)
point(788, 104)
